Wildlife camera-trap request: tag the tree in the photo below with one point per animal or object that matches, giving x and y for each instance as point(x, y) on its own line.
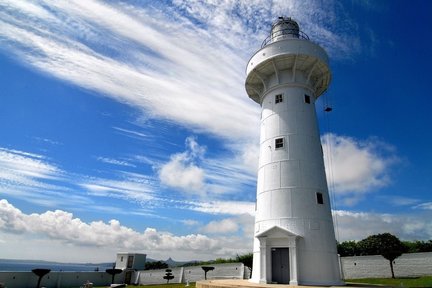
point(40, 272)
point(113, 271)
point(386, 244)
point(155, 265)
point(347, 248)
point(168, 275)
point(206, 269)
point(247, 260)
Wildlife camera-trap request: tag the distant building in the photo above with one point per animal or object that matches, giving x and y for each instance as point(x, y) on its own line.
point(134, 261)
point(130, 262)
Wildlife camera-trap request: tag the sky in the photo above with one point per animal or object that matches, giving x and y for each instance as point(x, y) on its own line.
point(125, 125)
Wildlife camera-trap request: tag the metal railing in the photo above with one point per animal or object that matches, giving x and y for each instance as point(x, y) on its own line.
point(284, 34)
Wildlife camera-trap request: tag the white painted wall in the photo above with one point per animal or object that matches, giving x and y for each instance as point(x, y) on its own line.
point(143, 277)
point(407, 265)
point(56, 279)
point(138, 262)
point(193, 273)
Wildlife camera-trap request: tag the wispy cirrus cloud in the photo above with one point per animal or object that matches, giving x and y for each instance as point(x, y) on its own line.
point(424, 206)
point(164, 82)
point(115, 161)
point(223, 207)
point(195, 83)
point(129, 186)
point(23, 174)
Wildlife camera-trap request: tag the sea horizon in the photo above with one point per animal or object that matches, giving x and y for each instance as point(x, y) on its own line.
point(15, 265)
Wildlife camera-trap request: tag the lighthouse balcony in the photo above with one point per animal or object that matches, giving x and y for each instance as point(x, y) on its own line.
point(284, 34)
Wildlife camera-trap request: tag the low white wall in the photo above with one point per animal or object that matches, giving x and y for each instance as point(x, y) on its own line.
point(56, 279)
point(221, 271)
point(156, 276)
point(192, 274)
point(407, 265)
point(143, 277)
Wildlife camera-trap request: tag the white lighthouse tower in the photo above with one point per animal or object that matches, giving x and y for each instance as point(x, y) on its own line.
point(294, 239)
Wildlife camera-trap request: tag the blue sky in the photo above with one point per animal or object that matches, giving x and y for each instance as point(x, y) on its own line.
point(125, 126)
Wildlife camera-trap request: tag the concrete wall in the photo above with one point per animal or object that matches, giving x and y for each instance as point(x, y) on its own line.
point(156, 276)
point(56, 279)
point(407, 265)
point(193, 274)
point(143, 277)
point(221, 271)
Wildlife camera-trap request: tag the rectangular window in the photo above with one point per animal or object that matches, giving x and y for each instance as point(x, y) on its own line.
point(278, 98)
point(319, 197)
point(307, 99)
point(279, 143)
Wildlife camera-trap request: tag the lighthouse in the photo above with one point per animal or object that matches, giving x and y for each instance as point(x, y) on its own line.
point(294, 240)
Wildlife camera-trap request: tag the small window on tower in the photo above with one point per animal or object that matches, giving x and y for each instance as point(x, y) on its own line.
point(278, 98)
point(307, 99)
point(279, 143)
point(319, 197)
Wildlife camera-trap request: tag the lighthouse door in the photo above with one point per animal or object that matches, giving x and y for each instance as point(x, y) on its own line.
point(280, 265)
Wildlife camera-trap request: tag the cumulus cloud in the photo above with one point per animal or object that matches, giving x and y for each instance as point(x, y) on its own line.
point(359, 225)
point(355, 167)
point(63, 226)
point(221, 227)
point(182, 172)
point(240, 224)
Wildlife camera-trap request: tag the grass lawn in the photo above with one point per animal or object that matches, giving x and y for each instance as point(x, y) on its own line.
point(425, 281)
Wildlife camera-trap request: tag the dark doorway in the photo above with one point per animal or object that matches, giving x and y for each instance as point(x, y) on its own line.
point(128, 277)
point(130, 261)
point(280, 265)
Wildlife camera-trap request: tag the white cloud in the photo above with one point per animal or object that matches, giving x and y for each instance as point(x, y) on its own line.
point(359, 225)
point(164, 82)
point(182, 172)
point(424, 206)
point(197, 83)
point(355, 167)
point(190, 222)
point(400, 200)
point(131, 186)
point(224, 226)
point(115, 161)
point(62, 226)
point(32, 178)
point(131, 133)
point(24, 167)
point(239, 224)
point(224, 207)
